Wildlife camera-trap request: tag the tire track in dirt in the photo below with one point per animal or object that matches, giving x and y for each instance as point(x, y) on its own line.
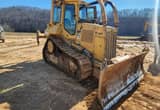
point(16, 48)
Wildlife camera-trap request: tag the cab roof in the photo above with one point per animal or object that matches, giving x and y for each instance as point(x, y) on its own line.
point(83, 2)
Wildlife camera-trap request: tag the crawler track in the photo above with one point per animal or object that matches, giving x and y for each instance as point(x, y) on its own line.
point(64, 53)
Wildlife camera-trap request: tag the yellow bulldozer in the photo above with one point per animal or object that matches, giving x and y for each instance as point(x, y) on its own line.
point(80, 43)
point(147, 34)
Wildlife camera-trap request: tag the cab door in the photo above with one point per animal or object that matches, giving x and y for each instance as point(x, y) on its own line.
point(69, 20)
point(87, 27)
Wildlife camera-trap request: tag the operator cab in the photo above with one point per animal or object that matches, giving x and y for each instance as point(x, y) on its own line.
point(69, 13)
point(85, 23)
point(92, 12)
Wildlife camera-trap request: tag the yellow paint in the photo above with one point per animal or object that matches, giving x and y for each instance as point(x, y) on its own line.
point(99, 50)
point(90, 36)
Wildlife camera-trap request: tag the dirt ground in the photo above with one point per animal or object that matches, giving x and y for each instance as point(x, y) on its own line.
point(147, 95)
point(44, 87)
point(28, 83)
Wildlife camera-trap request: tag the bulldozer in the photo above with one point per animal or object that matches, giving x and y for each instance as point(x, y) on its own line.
point(147, 32)
point(80, 43)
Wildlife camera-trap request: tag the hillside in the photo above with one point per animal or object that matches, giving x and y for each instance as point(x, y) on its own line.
point(24, 19)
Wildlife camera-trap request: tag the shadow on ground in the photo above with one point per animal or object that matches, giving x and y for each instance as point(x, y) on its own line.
point(44, 87)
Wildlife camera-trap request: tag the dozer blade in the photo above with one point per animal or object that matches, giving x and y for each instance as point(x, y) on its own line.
point(118, 79)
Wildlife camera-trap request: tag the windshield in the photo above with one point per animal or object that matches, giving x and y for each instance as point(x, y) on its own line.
point(87, 14)
point(90, 13)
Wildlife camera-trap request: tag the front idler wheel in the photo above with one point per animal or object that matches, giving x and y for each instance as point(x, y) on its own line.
point(48, 50)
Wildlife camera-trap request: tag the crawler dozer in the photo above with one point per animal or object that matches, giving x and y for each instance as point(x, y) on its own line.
point(80, 43)
point(147, 33)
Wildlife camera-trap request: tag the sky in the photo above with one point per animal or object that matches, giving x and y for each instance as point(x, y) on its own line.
point(46, 4)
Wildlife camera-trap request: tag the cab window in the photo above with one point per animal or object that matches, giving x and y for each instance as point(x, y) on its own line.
point(69, 19)
point(83, 14)
point(90, 12)
point(57, 14)
point(87, 14)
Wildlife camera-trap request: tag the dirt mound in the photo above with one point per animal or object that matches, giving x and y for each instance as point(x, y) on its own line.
point(146, 97)
point(4, 106)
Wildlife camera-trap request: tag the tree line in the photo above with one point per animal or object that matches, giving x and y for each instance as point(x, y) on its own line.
point(29, 19)
point(24, 19)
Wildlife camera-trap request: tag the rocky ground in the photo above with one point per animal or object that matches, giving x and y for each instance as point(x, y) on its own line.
point(28, 83)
